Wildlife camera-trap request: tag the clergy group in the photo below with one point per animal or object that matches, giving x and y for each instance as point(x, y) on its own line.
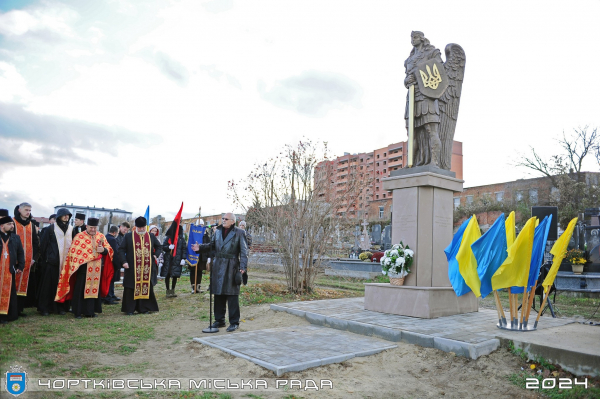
point(69, 266)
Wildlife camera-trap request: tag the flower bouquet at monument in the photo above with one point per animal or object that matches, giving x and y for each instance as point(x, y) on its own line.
point(396, 263)
point(577, 259)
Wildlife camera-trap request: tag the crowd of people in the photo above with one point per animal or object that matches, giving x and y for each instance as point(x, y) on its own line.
point(71, 267)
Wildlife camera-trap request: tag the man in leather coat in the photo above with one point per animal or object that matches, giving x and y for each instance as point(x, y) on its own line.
point(230, 251)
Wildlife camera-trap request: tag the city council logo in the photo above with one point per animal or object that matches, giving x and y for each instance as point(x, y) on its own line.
point(16, 380)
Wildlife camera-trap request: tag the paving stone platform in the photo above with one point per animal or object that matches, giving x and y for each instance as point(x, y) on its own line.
point(470, 334)
point(296, 348)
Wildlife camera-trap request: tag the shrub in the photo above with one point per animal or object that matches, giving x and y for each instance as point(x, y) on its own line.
point(365, 256)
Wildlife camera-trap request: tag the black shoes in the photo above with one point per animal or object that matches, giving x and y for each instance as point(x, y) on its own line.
point(62, 313)
point(232, 327)
point(110, 302)
point(116, 299)
point(216, 324)
point(45, 314)
point(3, 322)
point(79, 317)
point(22, 314)
point(129, 314)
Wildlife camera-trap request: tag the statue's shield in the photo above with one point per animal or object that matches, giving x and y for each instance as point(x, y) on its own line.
point(432, 78)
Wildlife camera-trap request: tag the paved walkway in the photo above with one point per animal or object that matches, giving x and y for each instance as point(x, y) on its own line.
point(562, 341)
point(365, 332)
point(296, 348)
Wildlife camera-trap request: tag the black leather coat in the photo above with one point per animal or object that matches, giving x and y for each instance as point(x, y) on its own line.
point(230, 255)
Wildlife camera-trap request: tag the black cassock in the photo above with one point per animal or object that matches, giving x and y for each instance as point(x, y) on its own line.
point(126, 251)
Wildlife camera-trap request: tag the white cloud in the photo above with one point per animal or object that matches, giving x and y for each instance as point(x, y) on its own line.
point(55, 18)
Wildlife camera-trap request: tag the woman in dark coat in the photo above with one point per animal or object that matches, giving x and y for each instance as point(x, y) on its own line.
point(172, 265)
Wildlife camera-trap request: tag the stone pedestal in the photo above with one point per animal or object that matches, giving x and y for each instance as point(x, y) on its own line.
point(422, 218)
point(424, 302)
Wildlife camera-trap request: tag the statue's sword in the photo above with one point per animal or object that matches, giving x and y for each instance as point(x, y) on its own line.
point(411, 124)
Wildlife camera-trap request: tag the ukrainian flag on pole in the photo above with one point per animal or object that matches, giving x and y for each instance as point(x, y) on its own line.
point(147, 216)
point(515, 269)
point(457, 281)
point(559, 250)
point(537, 255)
point(490, 253)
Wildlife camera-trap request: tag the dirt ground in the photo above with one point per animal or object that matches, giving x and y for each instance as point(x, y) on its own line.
point(405, 372)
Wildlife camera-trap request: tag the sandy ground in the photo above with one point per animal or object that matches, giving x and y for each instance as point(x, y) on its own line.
point(405, 372)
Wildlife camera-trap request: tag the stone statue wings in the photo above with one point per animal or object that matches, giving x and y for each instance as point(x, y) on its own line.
point(450, 100)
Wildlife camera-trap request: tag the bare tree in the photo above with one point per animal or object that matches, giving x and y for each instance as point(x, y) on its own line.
point(286, 195)
point(573, 193)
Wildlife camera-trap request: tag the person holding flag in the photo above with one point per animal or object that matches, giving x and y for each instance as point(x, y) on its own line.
point(197, 263)
point(139, 250)
point(175, 254)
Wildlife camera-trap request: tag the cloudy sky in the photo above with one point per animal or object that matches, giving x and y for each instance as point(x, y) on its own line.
point(125, 104)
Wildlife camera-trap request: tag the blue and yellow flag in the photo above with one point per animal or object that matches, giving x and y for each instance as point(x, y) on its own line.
point(457, 281)
point(147, 216)
point(196, 234)
point(467, 264)
point(515, 269)
point(559, 250)
point(490, 253)
point(537, 254)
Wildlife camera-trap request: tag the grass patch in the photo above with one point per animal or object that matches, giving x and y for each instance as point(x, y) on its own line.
point(260, 293)
point(565, 306)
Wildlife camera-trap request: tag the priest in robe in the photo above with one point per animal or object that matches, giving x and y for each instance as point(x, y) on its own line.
point(87, 272)
point(27, 281)
point(139, 250)
point(12, 264)
point(55, 243)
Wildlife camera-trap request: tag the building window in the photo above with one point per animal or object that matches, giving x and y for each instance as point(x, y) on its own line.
point(383, 195)
point(378, 157)
point(469, 199)
point(384, 162)
point(377, 196)
point(384, 154)
point(555, 193)
point(533, 196)
point(380, 212)
point(377, 164)
point(377, 180)
point(384, 170)
point(500, 196)
point(456, 202)
point(519, 196)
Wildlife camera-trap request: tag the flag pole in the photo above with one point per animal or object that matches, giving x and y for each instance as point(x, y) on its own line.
point(500, 309)
point(510, 302)
point(541, 308)
point(198, 262)
point(530, 303)
point(524, 307)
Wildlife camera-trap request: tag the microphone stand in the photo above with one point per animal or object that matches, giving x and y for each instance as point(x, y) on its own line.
point(210, 328)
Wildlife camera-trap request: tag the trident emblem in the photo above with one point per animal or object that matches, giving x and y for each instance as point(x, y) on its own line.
point(433, 80)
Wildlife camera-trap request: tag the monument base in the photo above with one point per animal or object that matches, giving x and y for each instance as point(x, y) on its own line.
point(423, 302)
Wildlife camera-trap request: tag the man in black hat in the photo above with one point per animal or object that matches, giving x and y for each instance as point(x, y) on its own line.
point(89, 266)
point(139, 250)
point(79, 222)
point(12, 263)
point(55, 243)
